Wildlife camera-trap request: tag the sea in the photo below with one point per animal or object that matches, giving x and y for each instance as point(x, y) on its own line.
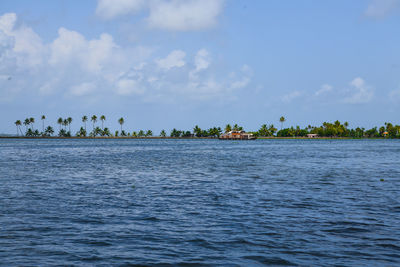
point(189, 202)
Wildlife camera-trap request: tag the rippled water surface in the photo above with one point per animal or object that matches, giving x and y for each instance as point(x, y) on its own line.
point(206, 202)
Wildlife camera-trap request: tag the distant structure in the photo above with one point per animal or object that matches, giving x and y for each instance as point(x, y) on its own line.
point(237, 135)
point(312, 135)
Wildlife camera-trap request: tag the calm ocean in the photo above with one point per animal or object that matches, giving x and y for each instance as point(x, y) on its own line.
point(200, 202)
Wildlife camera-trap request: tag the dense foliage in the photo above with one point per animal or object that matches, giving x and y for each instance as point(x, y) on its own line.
point(335, 129)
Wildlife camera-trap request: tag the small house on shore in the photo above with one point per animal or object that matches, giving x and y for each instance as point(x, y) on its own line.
point(312, 135)
point(237, 135)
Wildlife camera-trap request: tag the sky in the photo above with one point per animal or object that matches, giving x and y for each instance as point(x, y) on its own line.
point(163, 64)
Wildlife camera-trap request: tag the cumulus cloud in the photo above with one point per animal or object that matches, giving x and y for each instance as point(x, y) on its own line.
point(174, 59)
point(27, 45)
point(360, 92)
point(109, 9)
point(72, 47)
point(324, 89)
point(202, 61)
point(174, 15)
point(7, 22)
point(381, 8)
point(73, 66)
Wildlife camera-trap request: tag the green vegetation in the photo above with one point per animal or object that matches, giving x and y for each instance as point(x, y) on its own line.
point(327, 130)
point(282, 120)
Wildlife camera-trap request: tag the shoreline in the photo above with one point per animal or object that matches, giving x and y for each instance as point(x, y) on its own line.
point(184, 138)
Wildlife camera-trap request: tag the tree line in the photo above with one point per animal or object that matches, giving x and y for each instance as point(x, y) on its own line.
point(335, 129)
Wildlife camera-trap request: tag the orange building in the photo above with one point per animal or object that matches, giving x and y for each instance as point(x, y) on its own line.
point(237, 135)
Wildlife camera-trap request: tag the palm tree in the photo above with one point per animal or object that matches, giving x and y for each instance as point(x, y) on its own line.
point(149, 133)
point(84, 120)
point(18, 124)
point(26, 123)
point(121, 121)
point(43, 118)
point(94, 120)
point(197, 131)
point(272, 129)
point(106, 132)
point(228, 128)
point(264, 130)
point(102, 118)
point(32, 120)
point(65, 123)
point(49, 131)
point(60, 122)
point(69, 123)
point(282, 120)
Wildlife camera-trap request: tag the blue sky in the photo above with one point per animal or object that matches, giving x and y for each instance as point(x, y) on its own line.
point(173, 63)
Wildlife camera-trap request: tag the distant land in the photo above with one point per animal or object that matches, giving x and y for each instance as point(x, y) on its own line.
point(335, 129)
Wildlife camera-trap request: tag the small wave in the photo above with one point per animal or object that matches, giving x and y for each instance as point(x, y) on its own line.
point(87, 221)
point(269, 260)
point(347, 230)
point(391, 246)
point(150, 218)
point(100, 243)
point(201, 242)
point(91, 259)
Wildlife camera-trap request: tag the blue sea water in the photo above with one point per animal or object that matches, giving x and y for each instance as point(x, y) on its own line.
point(200, 202)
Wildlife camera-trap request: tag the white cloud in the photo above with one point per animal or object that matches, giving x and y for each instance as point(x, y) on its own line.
point(360, 92)
point(381, 8)
point(82, 89)
point(71, 47)
point(291, 96)
point(109, 9)
point(27, 45)
point(174, 59)
point(72, 66)
point(127, 87)
point(184, 15)
point(174, 15)
point(202, 61)
point(324, 89)
point(245, 79)
point(7, 22)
